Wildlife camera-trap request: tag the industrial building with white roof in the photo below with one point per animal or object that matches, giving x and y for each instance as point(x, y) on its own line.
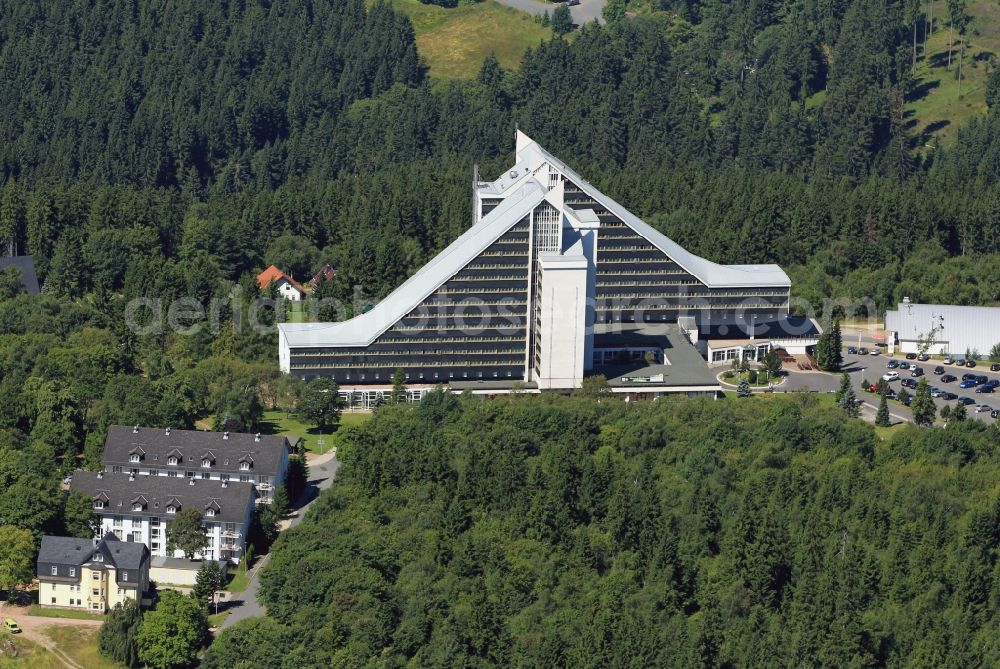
point(549, 276)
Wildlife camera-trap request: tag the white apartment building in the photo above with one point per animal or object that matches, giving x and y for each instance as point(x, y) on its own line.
point(139, 509)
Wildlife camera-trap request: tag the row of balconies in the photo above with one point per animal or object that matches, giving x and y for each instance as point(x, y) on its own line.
point(395, 365)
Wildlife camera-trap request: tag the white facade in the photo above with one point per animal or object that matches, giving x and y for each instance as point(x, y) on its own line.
point(943, 329)
point(225, 540)
point(288, 291)
point(561, 320)
point(264, 483)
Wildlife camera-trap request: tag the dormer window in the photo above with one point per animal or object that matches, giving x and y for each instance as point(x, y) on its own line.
point(98, 557)
point(171, 460)
point(124, 575)
point(72, 571)
point(55, 571)
point(133, 458)
point(206, 463)
point(210, 512)
point(171, 509)
point(137, 507)
point(244, 466)
point(98, 504)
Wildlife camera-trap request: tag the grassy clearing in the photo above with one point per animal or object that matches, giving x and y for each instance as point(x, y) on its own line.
point(80, 644)
point(296, 312)
point(886, 433)
point(216, 619)
point(238, 580)
point(454, 42)
point(289, 425)
point(36, 610)
point(935, 110)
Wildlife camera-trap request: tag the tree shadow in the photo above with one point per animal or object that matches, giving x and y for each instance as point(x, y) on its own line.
point(923, 90)
point(940, 59)
point(933, 128)
point(987, 56)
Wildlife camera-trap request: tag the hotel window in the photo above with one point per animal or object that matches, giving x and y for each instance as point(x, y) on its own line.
point(72, 571)
point(98, 504)
point(155, 546)
point(171, 509)
point(171, 460)
point(95, 591)
point(53, 600)
point(124, 578)
point(244, 466)
point(206, 475)
point(172, 473)
point(133, 458)
point(210, 512)
point(206, 463)
point(96, 576)
point(244, 479)
point(55, 571)
point(117, 520)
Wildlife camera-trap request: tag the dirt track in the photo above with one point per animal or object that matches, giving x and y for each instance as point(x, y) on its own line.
point(33, 629)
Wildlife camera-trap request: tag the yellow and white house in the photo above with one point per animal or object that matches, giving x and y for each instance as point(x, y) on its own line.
point(91, 574)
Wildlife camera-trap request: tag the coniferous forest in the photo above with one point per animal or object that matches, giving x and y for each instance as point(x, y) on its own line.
point(157, 148)
point(563, 532)
point(766, 131)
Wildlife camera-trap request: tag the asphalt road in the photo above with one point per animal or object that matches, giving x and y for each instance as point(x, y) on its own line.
point(585, 12)
point(245, 605)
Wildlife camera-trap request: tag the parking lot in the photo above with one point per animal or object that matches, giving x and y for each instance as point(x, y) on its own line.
point(871, 368)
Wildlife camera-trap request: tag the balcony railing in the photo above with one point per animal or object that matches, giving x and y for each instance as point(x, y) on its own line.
point(231, 534)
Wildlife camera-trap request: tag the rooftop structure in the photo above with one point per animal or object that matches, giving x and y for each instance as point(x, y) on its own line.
point(220, 456)
point(549, 265)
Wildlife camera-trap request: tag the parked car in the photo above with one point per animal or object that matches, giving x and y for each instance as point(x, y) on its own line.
point(916, 371)
point(891, 376)
point(939, 370)
point(892, 364)
point(906, 400)
point(909, 383)
point(948, 360)
point(960, 362)
point(995, 413)
point(923, 357)
point(970, 363)
point(993, 382)
point(968, 377)
point(995, 367)
point(948, 397)
point(876, 351)
point(984, 389)
point(966, 401)
point(904, 365)
point(11, 626)
point(948, 378)
point(911, 356)
point(983, 408)
point(968, 383)
point(982, 378)
point(862, 351)
point(852, 350)
point(937, 392)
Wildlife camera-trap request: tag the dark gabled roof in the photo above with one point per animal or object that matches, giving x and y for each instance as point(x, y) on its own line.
point(27, 266)
point(75, 552)
point(191, 444)
point(232, 498)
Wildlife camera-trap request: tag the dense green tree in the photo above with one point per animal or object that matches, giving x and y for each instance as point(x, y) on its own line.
point(17, 550)
point(173, 633)
point(209, 580)
point(743, 389)
point(562, 20)
point(958, 413)
point(882, 415)
point(398, 387)
point(320, 402)
point(117, 638)
point(257, 642)
point(79, 519)
point(923, 406)
point(186, 533)
point(829, 353)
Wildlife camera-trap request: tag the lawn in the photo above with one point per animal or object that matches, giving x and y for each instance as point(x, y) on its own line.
point(36, 610)
point(454, 42)
point(935, 110)
point(279, 422)
point(79, 644)
point(238, 580)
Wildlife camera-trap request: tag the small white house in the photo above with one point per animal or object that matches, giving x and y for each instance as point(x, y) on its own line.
point(288, 288)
